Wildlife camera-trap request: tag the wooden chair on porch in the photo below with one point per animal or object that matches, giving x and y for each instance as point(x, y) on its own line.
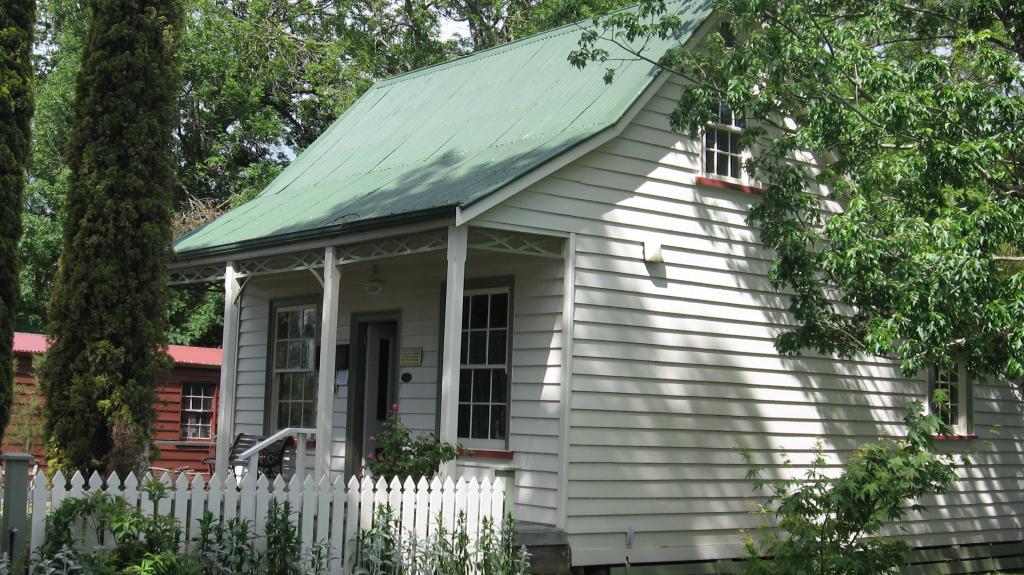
point(278, 458)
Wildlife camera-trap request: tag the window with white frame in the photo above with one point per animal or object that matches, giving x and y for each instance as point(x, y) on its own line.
point(294, 369)
point(723, 156)
point(483, 379)
point(196, 411)
point(955, 404)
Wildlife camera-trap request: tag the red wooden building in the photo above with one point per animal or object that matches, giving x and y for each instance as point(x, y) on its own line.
point(186, 405)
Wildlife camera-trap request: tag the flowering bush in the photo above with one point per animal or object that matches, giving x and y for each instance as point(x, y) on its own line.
point(398, 452)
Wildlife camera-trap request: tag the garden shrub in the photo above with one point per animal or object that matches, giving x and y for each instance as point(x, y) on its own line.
point(401, 453)
point(384, 549)
point(831, 526)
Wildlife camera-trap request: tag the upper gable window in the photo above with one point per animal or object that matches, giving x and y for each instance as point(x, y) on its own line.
point(723, 156)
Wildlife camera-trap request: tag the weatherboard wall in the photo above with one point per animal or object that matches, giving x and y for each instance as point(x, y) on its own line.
point(674, 368)
point(412, 289)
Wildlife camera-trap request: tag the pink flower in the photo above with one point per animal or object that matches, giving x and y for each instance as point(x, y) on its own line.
point(370, 457)
point(394, 407)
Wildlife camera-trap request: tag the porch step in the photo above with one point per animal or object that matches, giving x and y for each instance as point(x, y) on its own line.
point(548, 547)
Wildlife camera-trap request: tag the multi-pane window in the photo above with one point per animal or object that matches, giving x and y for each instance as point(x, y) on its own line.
point(953, 405)
point(483, 381)
point(294, 373)
point(723, 155)
point(196, 411)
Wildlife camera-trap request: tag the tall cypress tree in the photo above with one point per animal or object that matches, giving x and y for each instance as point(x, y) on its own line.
point(16, 22)
point(106, 314)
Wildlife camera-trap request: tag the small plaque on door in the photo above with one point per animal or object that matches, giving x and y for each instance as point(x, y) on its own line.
point(410, 357)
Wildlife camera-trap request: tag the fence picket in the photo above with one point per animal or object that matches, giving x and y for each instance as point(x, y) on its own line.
point(40, 506)
point(422, 506)
point(498, 502)
point(308, 509)
point(338, 498)
point(485, 500)
point(434, 517)
point(197, 495)
point(352, 515)
point(230, 497)
point(472, 508)
point(246, 504)
point(131, 490)
point(181, 504)
point(365, 504)
point(324, 496)
point(409, 508)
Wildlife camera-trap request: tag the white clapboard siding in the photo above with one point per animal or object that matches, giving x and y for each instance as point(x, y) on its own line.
point(674, 367)
point(322, 513)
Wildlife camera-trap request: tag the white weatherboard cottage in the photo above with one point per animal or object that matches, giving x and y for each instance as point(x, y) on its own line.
point(529, 262)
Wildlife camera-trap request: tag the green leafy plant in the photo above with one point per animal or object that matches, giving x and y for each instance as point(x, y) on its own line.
point(224, 547)
point(398, 452)
point(832, 526)
point(383, 549)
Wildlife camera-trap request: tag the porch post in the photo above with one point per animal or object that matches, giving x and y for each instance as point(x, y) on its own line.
point(328, 345)
point(452, 340)
point(228, 369)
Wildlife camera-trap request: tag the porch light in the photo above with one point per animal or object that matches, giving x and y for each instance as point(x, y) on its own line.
point(374, 285)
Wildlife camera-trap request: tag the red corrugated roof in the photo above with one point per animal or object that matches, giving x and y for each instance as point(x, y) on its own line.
point(181, 354)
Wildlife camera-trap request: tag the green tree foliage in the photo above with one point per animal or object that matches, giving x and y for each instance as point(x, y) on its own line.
point(17, 21)
point(913, 110)
point(831, 525)
point(106, 309)
point(58, 48)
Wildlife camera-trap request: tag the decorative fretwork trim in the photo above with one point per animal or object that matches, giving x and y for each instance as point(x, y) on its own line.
point(515, 243)
point(391, 247)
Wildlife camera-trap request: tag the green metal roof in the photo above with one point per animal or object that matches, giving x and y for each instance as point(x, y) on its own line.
point(422, 143)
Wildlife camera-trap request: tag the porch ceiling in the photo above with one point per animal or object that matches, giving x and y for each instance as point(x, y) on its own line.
point(481, 239)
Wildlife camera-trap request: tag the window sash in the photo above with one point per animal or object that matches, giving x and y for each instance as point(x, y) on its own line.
point(493, 409)
point(957, 410)
point(294, 409)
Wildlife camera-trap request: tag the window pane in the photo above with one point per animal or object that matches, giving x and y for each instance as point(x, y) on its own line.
point(499, 310)
point(709, 162)
point(463, 421)
point(309, 322)
point(465, 312)
point(723, 164)
point(308, 414)
point(735, 167)
point(498, 386)
point(477, 347)
point(282, 325)
point(734, 143)
point(478, 311)
point(496, 346)
point(465, 385)
point(465, 348)
point(478, 426)
point(709, 138)
point(481, 386)
point(280, 355)
point(724, 116)
point(285, 393)
point(498, 422)
point(293, 325)
point(282, 416)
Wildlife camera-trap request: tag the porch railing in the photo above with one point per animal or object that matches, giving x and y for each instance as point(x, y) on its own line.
point(300, 433)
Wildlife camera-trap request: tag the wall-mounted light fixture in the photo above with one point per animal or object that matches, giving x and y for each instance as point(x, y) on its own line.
point(652, 252)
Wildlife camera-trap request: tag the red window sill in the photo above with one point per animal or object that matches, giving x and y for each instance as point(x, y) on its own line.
point(954, 437)
point(724, 185)
point(487, 454)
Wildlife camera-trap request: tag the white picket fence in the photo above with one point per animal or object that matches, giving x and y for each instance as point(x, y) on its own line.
point(324, 511)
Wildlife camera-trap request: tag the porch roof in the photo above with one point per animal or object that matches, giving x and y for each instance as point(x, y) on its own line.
point(423, 143)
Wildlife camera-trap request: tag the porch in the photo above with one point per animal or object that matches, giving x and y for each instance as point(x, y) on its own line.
point(460, 327)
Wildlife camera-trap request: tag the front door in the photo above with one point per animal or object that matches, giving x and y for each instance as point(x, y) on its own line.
point(379, 381)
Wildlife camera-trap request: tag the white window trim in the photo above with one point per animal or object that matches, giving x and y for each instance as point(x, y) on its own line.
point(493, 444)
point(745, 154)
point(965, 405)
point(275, 388)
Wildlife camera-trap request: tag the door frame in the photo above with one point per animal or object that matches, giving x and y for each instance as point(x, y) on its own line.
point(357, 381)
